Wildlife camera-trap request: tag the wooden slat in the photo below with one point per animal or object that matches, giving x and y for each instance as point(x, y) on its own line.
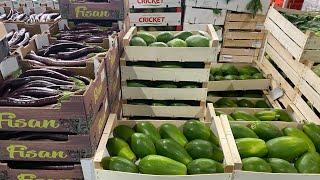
point(240, 51)
point(243, 43)
point(244, 35)
point(237, 59)
point(197, 94)
point(228, 85)
point(244, 25)
point(244, 17)
point(163, 111)
point(164, 74)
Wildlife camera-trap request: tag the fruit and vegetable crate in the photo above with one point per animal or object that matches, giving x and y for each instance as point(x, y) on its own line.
point(298, 81)
point(297, 35)
point(156, 13)
point(12, 171)
point(237, 76)
point(265, 101)
point(291, 149)
point(79, 9)
point(171, 155)
point(286, 93)
point(243, 38)
point(231, 5)
point(39, 22)
point(170, 81)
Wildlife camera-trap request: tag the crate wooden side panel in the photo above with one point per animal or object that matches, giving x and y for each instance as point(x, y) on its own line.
point(241, 35)
point(240, 52)
point(302, 46)
point(242, 43)
point(197, 94)
point(216, 98)
point(244, 17)
point(237, 58)
point(228, 85)
point(191, 54)
point(66, 172)
point(164, 74)
point(163, 111)
point(245, 175)
point(102, 152)
point(244, 25)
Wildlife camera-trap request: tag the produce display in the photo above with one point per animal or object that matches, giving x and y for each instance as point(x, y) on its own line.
point(305, 22)
point(18, 38)
point(17, 16)
point(41, 87)
point(86, 32)
point(168, 39)
point(63, 53)
point(265, 115)
point(231, 72)
point(164, 151)
point(264, 147)
point(231, 103)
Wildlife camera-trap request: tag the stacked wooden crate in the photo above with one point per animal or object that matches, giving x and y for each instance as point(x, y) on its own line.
point(156, 15)
point(291, 55)
point(200, 57)
point(243, 38)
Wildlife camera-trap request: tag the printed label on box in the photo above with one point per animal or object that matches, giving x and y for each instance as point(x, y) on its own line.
point(42, 40)
point(155, 19)
point(257, 44)
point(154, 3)
point(259, 26)
point(227, 58)
point(276, 93)
point(9, 66)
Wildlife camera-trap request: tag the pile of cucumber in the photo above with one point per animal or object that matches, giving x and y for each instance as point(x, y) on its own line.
point(242, 103)
point(266, 115)
point(264, 147)
point(164, 151)
point(231, 72)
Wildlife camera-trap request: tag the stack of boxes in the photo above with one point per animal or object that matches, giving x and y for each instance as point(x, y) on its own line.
point(155, 15)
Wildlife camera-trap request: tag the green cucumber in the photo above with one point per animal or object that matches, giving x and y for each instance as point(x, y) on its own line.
point(119, 164)
point(160, 165)
point(148, 129)
point(289, 131)
point(118, 147)
point(266, 131)
point(204, 149)
point(286, 147)
point(313, 132)
point(243, 116)
point(142, 145)
point(251, 147)
point(204, 166)
point(196, 130)
point(255, 164)
point(281, 166)
point(171, 149)
point(309, 163)
point(266, 115)
point(171, 131)
point(241, 131)
point(124, 132)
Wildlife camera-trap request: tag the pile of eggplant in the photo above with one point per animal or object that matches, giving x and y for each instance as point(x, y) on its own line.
point(41, 87)
point(15, 15)
point(63, 54)
point(18, 38)
point(86, 32)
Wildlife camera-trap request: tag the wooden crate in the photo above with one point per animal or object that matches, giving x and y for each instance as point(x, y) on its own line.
point(183, 54)
point(243, 38)
point(244, 175)
point(71, 116)
point(289, 99)
point(54, 147)
point(68, 171)
point(93, 170)
point(232, 85)
point(154, 4)
point(306, 82)
point(237, 6)
point(301, 46)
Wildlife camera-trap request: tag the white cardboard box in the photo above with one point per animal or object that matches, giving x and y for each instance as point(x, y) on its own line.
point(154, 3)
point(204, 16)
point(155, 19)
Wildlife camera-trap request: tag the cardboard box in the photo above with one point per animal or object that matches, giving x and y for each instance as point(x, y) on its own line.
point(112, 10)
point(204, 16)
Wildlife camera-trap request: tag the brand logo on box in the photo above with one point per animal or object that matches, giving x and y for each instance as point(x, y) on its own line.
point(84, 12)
point(21, 151)
point(33, 177)
point(152, 20)
point(150, 2)
point(10, 120)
